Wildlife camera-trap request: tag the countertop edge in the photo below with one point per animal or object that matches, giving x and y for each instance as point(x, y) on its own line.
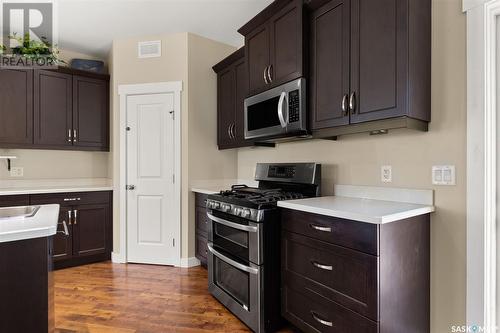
point(27, 234)
point(22, 191)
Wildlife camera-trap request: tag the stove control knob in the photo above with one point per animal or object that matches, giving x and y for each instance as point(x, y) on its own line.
point(226, 207)
point(245, 213)
point(209, 204)
point(237, 211)
point(216, 205)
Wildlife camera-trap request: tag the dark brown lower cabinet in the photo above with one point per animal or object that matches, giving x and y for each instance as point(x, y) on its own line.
point(346, 276)
point(14, 200)
point(201, 234)
point(88, 216)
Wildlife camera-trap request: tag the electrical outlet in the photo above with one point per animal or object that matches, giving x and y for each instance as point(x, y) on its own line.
point(386, 174)
point(443, 175)
point(16, 171)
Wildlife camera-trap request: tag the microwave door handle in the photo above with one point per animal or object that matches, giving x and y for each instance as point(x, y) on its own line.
point(231, 262)
point(281, 116)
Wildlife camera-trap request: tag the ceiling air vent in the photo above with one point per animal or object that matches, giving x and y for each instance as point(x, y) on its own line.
point(149, 49)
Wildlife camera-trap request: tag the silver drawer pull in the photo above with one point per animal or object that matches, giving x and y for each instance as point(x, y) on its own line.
point(71, 199)
point(321, 266)
point(321, 321)
point(320, 228)
point(65, 232)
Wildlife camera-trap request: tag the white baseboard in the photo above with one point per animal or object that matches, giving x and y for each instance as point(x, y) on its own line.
point(189, 262)
point(117, 258)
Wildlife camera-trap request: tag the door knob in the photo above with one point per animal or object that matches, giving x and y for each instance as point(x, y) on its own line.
point(130, 187)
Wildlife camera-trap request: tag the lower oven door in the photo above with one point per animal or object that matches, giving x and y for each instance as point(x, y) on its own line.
point(237, 285)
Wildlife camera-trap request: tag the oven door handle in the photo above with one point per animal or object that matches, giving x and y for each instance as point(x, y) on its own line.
point(232, 224)
point(231, 262)
point(281, 116)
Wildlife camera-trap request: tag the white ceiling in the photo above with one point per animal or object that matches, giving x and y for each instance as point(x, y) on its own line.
point(89, 26)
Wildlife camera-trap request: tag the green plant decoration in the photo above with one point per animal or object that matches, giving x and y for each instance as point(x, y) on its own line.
point(34, 49)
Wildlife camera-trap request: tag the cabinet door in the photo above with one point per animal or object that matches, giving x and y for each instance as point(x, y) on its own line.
point(16, 107)
point(91, 229)
point(379, 58)
point(62, 244)
point(329, 69)
point(53, 109)
point(91, 113)
point(241, 84)
point(14, 200)
point(286, 44)
point(258, 58)
point(225, 109)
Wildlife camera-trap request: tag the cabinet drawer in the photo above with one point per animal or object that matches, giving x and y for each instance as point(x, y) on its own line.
point(201, 200)
point(355, 235)
point(14, 200)
point(201, 221)
point(67, 199)
point(345, 276)
point(313, 313)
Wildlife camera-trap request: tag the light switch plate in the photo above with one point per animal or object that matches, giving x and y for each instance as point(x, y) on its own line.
point(443, 175)
point(386, 174)
point(16, 171)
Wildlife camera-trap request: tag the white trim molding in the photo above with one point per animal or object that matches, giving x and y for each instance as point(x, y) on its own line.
point(481, 162)
point(124, 91)
point(189, 262)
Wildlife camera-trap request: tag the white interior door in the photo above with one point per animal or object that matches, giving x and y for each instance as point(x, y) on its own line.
point(151, 225)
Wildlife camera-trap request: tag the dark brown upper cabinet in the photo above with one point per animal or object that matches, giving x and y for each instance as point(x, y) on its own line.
point(90, 113)
point(274, 45)
point(54, 109)
point(232, 88)
point(370, 60)
point(16, 108)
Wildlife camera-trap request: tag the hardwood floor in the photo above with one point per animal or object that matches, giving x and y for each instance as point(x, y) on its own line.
point(116, 298)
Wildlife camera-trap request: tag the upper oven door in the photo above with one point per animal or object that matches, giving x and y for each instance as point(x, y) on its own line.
point(242, 238)
point(277, 111)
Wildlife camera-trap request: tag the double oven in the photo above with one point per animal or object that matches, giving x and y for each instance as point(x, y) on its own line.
point(236, 258)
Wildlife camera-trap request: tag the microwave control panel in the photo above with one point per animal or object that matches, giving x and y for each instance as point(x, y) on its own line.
point(293, 106)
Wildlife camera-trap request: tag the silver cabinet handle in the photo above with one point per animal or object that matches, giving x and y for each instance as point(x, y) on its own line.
point(344, 105)
point(231, 262)
point(232, 224)
point(65, 232)
point(74, 135)
point(281, 116)
point(232, 131)
point(269, 73)
point(229, 131)
point(69, 217)
point(71, 199)
point(320, 228)
point(321, 321)
point(321, 266)
point(69, 135)
point(352, 102)
point(265, 75)
point(75, 212)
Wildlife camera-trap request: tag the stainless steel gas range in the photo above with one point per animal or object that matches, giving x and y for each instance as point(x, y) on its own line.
point(244, 241)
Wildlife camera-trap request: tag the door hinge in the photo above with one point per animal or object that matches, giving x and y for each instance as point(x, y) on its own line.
point(172, 113)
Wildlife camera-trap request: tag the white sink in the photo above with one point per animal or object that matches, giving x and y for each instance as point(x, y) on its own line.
point(18, 212)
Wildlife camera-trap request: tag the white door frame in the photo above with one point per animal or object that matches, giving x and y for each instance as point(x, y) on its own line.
point(175, 88)
point(482, 16)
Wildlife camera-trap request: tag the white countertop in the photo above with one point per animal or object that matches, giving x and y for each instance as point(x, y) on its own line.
point(358, 209)
point(54, 186)
point(43, 224)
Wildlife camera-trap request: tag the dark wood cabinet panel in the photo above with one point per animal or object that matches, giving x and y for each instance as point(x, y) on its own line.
point(201, 250)
point(14, 200)
point(62, 244)
point(241, 83)
point(201, 224)
point(91, 112)
point(16, 107)
point(201, 221)
point(257, 46)
point(329, 70)
point(91, 230)
point(53, 109)
point(286, 44)
point(226, 106)
point(379, 58)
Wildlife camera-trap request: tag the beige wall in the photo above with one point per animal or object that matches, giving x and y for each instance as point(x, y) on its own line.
point(56, 164)
point(357, 160)
point(187, 58)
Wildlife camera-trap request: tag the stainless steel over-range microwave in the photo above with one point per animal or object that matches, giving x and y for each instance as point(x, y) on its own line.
point(277, 112)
